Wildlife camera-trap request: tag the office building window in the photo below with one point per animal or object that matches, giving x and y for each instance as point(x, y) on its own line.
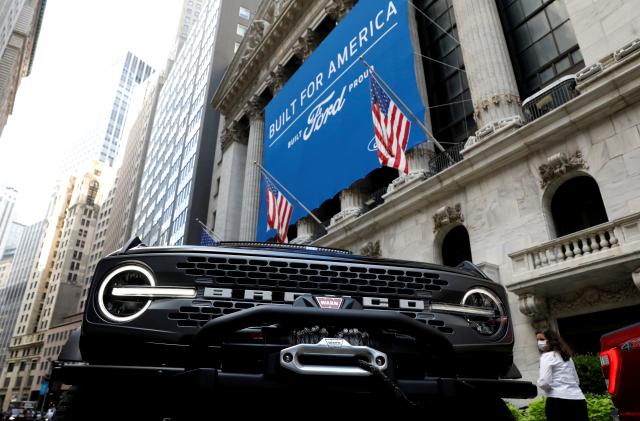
point(450, 103)
point(245, 13)
point(241, 29)
point(541, 41)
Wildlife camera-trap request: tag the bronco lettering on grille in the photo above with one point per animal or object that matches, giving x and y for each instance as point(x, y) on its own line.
point(289, 297)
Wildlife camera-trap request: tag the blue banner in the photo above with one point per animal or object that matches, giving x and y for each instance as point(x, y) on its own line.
point(318, 128)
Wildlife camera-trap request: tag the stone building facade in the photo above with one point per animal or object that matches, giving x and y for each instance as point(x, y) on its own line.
point(48, 310)
point(543, 190)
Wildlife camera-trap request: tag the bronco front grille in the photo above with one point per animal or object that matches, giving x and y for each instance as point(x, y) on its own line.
point(281, 275)
point(310, 276)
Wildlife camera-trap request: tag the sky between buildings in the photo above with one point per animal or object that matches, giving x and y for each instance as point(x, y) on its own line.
point(77, 40)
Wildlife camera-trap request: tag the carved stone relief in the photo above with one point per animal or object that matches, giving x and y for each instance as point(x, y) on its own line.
point(560, 164)
point(255, 108)
point(305, 45)
point(494, 101)
point(447, 215)
point(337, 9)
point(594, 299)
point(278, 77)
point(371, 249)
point(230, 134)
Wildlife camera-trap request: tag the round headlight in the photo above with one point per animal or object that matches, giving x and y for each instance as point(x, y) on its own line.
point(487, 300)
point(124, 309)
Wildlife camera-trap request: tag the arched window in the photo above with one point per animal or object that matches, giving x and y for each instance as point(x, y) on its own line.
point(576, 205)
point(456, 247)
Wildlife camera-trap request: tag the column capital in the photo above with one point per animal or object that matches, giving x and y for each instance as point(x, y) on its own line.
point(255, 108)
point(305, 45)
point(337, 9)
point(278, 77)
point(230, 134)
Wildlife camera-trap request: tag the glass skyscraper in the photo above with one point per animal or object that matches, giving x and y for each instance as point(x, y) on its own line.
point(179, 162)
point(111, 98)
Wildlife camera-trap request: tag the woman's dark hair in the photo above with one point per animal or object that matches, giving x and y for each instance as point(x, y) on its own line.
point(556, 343)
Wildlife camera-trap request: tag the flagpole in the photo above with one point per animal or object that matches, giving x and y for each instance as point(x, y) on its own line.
point(417, 120)
point(215, 237)
point(267, 173)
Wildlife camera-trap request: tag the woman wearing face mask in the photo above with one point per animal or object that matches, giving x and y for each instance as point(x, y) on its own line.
point(559, 380)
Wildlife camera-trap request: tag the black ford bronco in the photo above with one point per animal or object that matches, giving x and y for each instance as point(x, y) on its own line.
point(187, 332)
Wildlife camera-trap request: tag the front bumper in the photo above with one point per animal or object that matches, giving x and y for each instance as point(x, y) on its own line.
point(217, 380)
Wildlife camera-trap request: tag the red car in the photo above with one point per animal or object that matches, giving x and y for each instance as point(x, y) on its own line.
point(620, 361)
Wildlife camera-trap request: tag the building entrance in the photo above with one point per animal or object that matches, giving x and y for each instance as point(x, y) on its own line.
point(582, 333)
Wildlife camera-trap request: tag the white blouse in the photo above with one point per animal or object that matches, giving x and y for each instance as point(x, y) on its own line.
point(558, 378)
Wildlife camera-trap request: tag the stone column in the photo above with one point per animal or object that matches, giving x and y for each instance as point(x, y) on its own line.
point(308, 229)
point(351, 205)
point(234, 152)
point(251, 191)
point(418, 158)
point(494, 91)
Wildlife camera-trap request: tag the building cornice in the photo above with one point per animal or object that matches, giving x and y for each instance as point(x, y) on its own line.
point(613, 90)
point(247, 73)
point(241, 71)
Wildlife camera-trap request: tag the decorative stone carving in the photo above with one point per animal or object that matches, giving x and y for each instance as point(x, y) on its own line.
point(278, 77)
point(636, 277)
point(337, 9)
point(626, 49)
point(594, 299)
point(371, 249)
point(588, 71)
point(275, 8)
point(255, 33)
point(494, 101)
point(255, 108)
point(230, 134)
point(560, 164)
point(447, 215)
point(533, 306)
point(305, 45)
point(496, 127)
point(471, 142)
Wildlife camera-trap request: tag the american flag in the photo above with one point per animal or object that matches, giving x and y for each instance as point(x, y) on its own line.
point(272, 194)
point(206, 239)
point(390, 127)
point(279, 211)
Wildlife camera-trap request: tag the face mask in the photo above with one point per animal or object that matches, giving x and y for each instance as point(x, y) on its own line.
point(542, 345)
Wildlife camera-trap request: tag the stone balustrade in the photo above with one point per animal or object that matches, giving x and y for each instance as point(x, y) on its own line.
point(592, 241)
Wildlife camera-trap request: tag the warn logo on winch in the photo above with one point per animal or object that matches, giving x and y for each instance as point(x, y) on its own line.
point(329, 302)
